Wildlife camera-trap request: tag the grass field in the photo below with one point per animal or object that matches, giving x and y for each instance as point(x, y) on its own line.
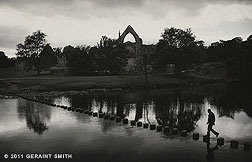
point(23, 82)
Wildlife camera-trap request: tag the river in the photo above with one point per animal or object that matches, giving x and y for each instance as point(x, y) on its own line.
point(28, 127)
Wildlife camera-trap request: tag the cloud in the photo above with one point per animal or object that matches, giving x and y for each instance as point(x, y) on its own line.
point(239, 28)
point(111, 8)
point(225, 30)
point(85, 21)
point(10, 36)
point(71, 8)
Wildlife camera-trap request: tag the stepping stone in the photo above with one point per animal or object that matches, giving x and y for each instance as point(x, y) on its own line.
point(174, 131)
point(205, 138)
point(118, 119)
point(145, 125)
point(183, 133)
point(152, 126)
point(220, 141)
point(247, 146)
point(234, 144)
point(166, 129)
point(125, 121)
point(101, 115)
point(195, 136)
point(112, 117)
point(95, 114)
point(132, 122)
point(106, 116)
point(159, 128)
point(139, 124)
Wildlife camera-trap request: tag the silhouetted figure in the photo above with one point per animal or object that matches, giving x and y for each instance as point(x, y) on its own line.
point(211, 122)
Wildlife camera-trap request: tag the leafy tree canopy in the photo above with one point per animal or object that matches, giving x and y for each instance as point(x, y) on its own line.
point(178, 47)
point(34, 45)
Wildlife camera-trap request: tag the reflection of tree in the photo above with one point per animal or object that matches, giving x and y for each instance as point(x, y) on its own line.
point(34, 122)
point(111, 105)
point(35, 116)
point(175, 108)
point(178, 109)
point(146, 107)
point(83, 101)
point(120, 108)
point(234, 97)
point(139, 110)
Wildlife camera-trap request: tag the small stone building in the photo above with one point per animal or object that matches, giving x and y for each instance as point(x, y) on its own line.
point(61, 67)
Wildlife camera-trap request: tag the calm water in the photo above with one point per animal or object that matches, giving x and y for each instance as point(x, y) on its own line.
point(29, 127)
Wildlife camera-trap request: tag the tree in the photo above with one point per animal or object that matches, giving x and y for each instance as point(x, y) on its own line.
point(73, 61)
point(95, 60)
point(249, 38)
point(57, 51)
point(5, 61)
point(236, 54)
point(110, 56)
point(48, 57)
point(143, 63)
point(78, 59)
point(178, 38)
point(32, 48)
point(178, 47)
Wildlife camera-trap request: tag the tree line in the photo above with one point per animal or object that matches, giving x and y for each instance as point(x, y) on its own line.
point(235, 53)
point(108, 57)
point(6, 62)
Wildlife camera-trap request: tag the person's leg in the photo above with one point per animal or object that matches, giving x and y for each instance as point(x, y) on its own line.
point(209, 129)
point(214, 132)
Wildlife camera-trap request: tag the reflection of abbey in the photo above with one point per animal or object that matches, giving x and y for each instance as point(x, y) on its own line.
point(136, 49)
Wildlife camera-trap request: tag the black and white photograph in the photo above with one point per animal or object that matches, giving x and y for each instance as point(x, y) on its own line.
point(125, 80)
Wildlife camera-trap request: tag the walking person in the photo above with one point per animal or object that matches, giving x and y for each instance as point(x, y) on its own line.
point(211, 122)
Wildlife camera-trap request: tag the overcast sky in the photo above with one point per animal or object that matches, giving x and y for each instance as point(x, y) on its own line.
point(78, 22)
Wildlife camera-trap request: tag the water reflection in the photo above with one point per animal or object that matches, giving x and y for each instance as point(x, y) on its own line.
point(210, 151)
point(181, 108)
point(184, 109)
point(29, 127)
point(231, 98)
point(35, 115)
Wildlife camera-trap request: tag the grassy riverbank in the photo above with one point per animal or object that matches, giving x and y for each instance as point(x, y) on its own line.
point(22, 82)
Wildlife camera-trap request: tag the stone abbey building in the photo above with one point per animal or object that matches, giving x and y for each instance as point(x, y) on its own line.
point(136, 49)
